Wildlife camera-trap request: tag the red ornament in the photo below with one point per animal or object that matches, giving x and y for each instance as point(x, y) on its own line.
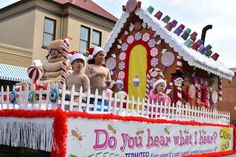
point(35, 73)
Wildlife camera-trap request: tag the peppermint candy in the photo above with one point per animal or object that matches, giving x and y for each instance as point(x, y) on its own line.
point(121, 75)
point(138, 36)
point(154, 52)
point(130, 39)
point(124, 46)
point(122, 56)
point(151, 43)
point(154, 62)
point(146, 37)
point(122, 65)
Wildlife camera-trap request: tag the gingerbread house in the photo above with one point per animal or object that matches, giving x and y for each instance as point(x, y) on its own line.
point(140, 49)
point(141, 45)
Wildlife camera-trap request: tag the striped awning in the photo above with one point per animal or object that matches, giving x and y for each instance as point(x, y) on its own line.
point(13, 73)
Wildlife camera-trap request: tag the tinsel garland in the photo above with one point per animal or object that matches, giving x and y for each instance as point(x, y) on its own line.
point(24, 132)
point(58, 141)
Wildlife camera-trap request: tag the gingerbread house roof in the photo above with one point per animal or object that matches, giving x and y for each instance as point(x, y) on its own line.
point(190, 55)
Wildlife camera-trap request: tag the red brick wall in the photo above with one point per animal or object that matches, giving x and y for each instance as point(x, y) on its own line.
point(229, 97)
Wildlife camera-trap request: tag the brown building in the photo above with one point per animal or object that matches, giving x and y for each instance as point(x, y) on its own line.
point(28, 26)
point(229, 97)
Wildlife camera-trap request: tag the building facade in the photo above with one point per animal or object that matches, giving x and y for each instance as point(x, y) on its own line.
point(28, 26)
point(229, 97)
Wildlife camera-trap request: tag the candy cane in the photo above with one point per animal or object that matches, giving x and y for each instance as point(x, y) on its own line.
point(148, 85)
point(179, 62)
point(220, 89)
point(64, 65)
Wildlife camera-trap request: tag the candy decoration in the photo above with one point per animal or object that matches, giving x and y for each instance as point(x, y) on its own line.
point(193, 36)
point(54, 94)
point(186, 33)
point(151, 78)
point(121, 75)
point(171, 25)
point(31, 96)
point(154, 52)
point(192, 91)
point(179, 30)
point(136, 81)
point(138, 36)
point(220, 89)
point(122, 65)
point(122, 56)
point(179, 62)
point(197, 44)
point(64, 64)
point(151, 43)
point(124, 46)
point(166, 19)
point(150, 9)
point(199, 94)
point(154, 62)
point(146, 37)
point(201, 49)
point(12, 97)
point(188, 43)
point(167, 59)
point(137, 26)
point(215, 56)
point(131, 5)
point(158, 15)
point(111, 63)
point(130, 39)
point(120, 84)
point(35, 73)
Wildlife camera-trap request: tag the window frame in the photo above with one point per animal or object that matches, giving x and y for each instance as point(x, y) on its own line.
point(100, 39)
point(44, 31)
point(88, 40)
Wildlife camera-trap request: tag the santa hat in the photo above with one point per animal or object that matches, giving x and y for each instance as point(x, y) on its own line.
point(159, 82)
point(93, 51)
point(74, 55)
point(178, 75)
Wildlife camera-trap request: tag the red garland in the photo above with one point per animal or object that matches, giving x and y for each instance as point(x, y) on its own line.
point(60, 134)
point(59, 126)
point(127, 60)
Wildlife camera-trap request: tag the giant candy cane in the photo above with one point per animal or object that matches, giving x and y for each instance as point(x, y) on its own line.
point(179, 62)
point(64, 64)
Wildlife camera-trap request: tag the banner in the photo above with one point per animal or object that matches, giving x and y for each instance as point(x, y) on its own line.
point(91, 137)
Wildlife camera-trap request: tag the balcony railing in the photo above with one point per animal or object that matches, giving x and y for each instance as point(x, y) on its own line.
point(107, 103)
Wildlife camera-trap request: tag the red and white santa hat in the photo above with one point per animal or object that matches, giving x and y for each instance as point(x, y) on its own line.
point(155, 84)
point(177, 78)
point(93, 51)
point(74, 55)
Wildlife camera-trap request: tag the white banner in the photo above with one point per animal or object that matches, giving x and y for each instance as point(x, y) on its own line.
point(91, 137)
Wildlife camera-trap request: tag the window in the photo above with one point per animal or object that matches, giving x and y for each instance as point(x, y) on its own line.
point(84, 38)
point(96, 38)
point(49, 31)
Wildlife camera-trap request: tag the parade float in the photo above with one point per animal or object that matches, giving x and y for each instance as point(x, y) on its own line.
point(139, 49)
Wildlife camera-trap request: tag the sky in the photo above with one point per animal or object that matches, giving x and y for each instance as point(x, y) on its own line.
point(194, 14)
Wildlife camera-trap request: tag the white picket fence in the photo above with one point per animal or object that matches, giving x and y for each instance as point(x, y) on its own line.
point(108, 103)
